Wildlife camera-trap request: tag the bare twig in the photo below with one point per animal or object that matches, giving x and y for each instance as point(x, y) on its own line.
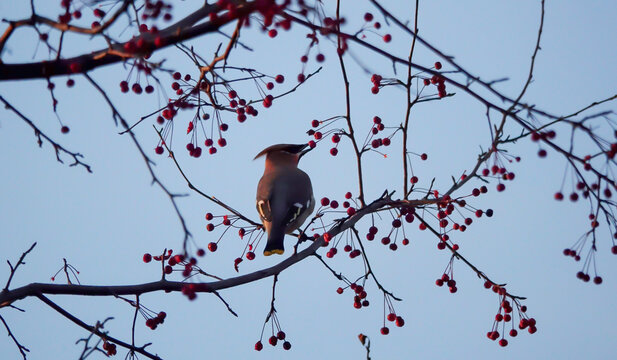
point(14, 268)
point(22, 349)
point(40, 135)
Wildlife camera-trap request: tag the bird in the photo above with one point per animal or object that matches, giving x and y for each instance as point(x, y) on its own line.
point(284, 194)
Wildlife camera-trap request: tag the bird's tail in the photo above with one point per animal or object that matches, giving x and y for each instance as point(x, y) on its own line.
point(275, 243)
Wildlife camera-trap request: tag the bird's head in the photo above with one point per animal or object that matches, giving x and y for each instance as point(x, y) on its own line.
point(281, 154)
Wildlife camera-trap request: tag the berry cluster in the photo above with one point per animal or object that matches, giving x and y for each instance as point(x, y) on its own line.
point(153, 322)
point(506, 315)
point(275, 337)
point(110, 348)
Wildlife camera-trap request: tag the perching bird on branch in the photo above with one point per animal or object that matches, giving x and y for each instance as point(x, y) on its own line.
point(284, 194)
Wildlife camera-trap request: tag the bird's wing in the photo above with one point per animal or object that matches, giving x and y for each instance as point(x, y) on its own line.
point(292, 210)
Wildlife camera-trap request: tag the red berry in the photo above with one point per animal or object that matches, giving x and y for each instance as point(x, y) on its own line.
point(272, 33)
point(503, 342)
point(437, 65)
point(387, 38)
point(399, 321)
point(212, 246)
point(147, 258)
point(64, 130)
point(286, 345)
point(273, 340)
point(384, 330)
point(258, 346)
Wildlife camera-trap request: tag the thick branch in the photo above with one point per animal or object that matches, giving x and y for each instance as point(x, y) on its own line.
point(180, 31)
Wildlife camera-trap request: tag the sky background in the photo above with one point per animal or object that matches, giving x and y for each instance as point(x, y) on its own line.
point(102, 223)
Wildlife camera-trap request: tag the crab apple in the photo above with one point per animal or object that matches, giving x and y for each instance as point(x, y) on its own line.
point(212, 246)
point(400, 322)
point(333, 151)
point(438, 65)
point(320, 58)
point(501, 187)
point(384, 330)
point(301, 78)
point(391, 317)
point(259, 346)
point(597, 280)
point(325, 201)
point(368, 17)
point(272, 33)
point(286, 345)
point(393, 247)
point(339, 290)
point(273, 340)
point(503, 342)
point(147, 258)
point(279, 78)
point(387, 38)
point(250, 255)
point(405, 241)
point(99, 13)
point(64, 129)
point(201, 252)
point(280, 335)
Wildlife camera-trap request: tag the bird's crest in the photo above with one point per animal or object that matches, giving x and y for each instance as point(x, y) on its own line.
point(290, 148)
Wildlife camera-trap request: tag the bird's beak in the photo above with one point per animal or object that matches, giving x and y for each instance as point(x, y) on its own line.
point(306, 149)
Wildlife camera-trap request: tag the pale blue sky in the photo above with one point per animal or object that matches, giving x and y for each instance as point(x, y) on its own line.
point(103, 222)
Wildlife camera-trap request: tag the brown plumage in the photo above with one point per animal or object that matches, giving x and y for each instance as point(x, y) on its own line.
point(284, 194)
